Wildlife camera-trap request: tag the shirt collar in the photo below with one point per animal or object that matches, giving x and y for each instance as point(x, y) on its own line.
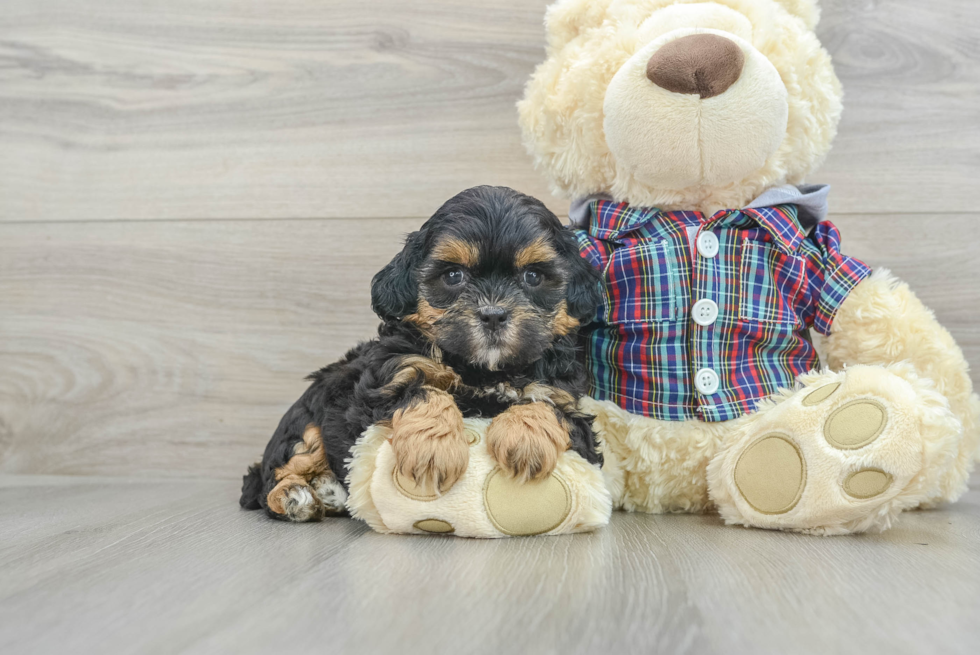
point(810, 201)
point(610, 220)
point(787, 213)
point(782, 224)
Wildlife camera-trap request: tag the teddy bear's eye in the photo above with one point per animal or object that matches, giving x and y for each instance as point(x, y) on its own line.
point(453, 277)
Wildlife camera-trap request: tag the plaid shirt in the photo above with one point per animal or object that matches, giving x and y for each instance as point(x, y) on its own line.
point(768, 283)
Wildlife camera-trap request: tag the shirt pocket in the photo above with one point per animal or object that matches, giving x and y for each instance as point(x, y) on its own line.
point(772, 284)
point(639, 284)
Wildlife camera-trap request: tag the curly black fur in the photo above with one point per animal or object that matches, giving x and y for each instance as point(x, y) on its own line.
point(350, 395)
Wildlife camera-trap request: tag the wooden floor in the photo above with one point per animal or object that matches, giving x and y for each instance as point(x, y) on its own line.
point(135, 566)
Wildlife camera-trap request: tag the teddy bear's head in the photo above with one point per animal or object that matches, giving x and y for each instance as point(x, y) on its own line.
point(680, 104)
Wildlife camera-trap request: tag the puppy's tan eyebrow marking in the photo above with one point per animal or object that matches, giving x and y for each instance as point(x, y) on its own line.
point(457, 251)
point(536, 252)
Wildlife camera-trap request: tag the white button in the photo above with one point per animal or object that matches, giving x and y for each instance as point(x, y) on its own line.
point(704, 312)
point(707, 244)
point(706, 381)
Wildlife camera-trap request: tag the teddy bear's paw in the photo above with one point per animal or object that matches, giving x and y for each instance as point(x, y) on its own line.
point(834, 457)
point(771, 472)
point(486, 501)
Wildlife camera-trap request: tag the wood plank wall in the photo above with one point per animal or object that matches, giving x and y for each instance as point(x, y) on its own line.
point(194, 196)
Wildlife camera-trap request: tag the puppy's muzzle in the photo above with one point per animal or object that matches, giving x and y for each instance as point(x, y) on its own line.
point(493, 317)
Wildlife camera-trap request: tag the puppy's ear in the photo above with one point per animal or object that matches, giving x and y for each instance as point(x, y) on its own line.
point(395, 290)
point(584, 283)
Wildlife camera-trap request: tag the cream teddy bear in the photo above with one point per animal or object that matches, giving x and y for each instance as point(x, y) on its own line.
point(681, 131)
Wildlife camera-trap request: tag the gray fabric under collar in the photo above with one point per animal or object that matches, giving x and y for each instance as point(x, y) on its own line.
point(811, 199)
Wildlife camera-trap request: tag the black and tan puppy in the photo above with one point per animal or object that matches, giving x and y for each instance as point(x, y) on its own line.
point(479, 314)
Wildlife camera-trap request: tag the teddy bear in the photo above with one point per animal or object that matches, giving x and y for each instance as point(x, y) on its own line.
point(682, 132)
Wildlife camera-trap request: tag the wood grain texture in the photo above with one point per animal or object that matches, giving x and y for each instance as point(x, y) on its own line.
point(173, 348)
point(149, 109)
point(909, 137)
point(139, 347)
point(164, 567)
point(136, 109)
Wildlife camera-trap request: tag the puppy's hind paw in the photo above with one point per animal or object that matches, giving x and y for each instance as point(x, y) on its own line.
point(295, 501)
point(330, 493)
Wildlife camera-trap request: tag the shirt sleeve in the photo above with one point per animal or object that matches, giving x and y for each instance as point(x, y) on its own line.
point(831, 276)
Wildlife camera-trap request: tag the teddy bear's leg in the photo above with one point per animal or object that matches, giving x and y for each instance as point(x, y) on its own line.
point(846, 453)
point(883, 322)
point(653, 465)
point(484, 502)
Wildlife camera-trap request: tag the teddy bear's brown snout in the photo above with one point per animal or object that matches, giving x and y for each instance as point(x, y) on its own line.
point(702, 64)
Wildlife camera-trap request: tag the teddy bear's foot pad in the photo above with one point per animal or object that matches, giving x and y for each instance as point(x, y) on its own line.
point(771, 474)
point(528, 508)
point(484, 502)
point(867, 483)
point(434, 526)
point(825, 459)
point(855, 424)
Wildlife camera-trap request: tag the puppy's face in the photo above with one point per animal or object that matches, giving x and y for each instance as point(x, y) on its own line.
point(495, 301)
point(492, 278)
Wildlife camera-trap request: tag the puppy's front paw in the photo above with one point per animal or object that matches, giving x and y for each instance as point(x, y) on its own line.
point(428, 442)
point(526, 440)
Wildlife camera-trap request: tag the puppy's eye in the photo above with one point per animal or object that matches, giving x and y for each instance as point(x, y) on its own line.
point(532, 278)
point(453, 277)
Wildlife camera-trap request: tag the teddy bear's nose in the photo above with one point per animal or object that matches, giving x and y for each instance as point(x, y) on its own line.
point(705, 64)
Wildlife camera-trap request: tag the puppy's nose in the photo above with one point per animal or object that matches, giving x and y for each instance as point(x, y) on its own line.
point(493, 317)
point(703, 64)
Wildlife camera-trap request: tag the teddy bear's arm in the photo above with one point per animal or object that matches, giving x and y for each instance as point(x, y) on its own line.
point(883, 322)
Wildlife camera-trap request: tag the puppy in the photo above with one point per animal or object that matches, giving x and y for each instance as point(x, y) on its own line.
point(480, 313)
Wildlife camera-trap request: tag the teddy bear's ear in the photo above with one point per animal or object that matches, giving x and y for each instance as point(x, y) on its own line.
point(566, 19)
point(805, 9)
